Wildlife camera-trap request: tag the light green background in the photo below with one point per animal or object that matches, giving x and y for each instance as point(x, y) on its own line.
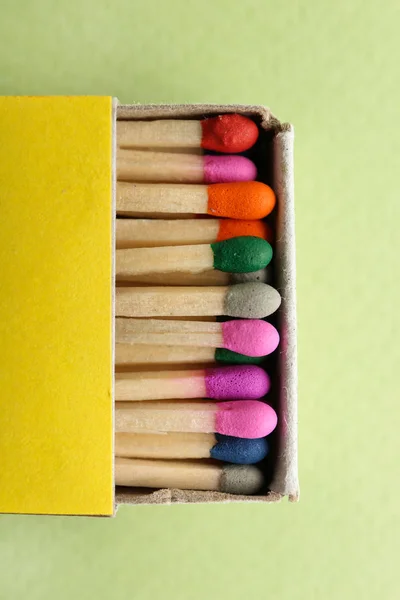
point(332, 69)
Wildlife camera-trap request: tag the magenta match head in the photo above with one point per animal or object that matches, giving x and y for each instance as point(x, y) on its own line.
point(228, 169)
point(247, 419)
point(252, 337)
point(244, 381)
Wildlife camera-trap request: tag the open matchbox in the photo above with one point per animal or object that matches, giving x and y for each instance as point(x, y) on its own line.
point(57, 240)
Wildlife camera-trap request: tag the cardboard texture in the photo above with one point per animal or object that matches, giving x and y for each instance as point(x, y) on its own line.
point(284, 480)
point(285, 477)
point(56, 375)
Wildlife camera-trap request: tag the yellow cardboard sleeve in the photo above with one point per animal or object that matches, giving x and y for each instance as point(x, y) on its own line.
point(56, 423)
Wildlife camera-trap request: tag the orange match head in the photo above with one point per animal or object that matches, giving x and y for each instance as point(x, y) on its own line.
point(231, 228)
point(248, 200)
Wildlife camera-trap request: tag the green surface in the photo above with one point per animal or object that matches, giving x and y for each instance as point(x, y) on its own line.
point(331, 68)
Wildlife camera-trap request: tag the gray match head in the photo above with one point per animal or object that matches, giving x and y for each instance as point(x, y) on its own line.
point(253, 300)
point(263, 275)
point(241, 479)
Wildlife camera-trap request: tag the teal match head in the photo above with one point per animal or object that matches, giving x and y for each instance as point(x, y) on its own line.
point(243, 254)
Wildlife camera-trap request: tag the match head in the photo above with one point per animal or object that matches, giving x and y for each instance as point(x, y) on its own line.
point(228, 357)
point(263, 275)
point(243, 480)
point(231, 228)
point(228, 169)
point(251, 300)
point(241, 254)
point(249, 419)
point(253, 337)
point(249, 200)
point(228, 133)
point(239, 450)
point(244, 381)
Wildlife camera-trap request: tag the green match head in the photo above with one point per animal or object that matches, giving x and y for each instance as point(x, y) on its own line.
point(241, 254)
point(230, 357)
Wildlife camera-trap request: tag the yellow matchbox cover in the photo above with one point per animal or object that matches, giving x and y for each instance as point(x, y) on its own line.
point(56, 418)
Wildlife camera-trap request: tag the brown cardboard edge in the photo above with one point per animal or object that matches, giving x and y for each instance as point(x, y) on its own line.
point(188, 111)
point(285, 478)
point(175, 496)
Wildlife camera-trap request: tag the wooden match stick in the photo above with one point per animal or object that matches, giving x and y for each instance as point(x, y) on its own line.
point(236, 255)
point(187, 475)
point(157, 167)
point(249, 200)
point(190, 445)
point(252, 300)
point(226, 133)
point(248, 419)
point(147, 233)
point(209, 278)
point(209, 318)
point(221, 383)
point(252, 337)
point(143, 357)
point(131, 367)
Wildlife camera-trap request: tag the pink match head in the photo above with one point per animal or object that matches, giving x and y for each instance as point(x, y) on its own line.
point(252, 337)
point(228, 169)
point(247, 419)
point(244, 381)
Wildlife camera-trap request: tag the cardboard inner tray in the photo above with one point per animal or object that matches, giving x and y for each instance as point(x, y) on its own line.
point(273, 155)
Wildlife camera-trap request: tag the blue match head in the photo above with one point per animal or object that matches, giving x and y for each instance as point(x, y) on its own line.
point(238, 450)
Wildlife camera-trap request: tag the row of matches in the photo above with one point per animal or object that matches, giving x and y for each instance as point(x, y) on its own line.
point(192, 246)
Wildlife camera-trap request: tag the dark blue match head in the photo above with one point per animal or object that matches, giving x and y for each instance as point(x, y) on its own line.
point(238, 450)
